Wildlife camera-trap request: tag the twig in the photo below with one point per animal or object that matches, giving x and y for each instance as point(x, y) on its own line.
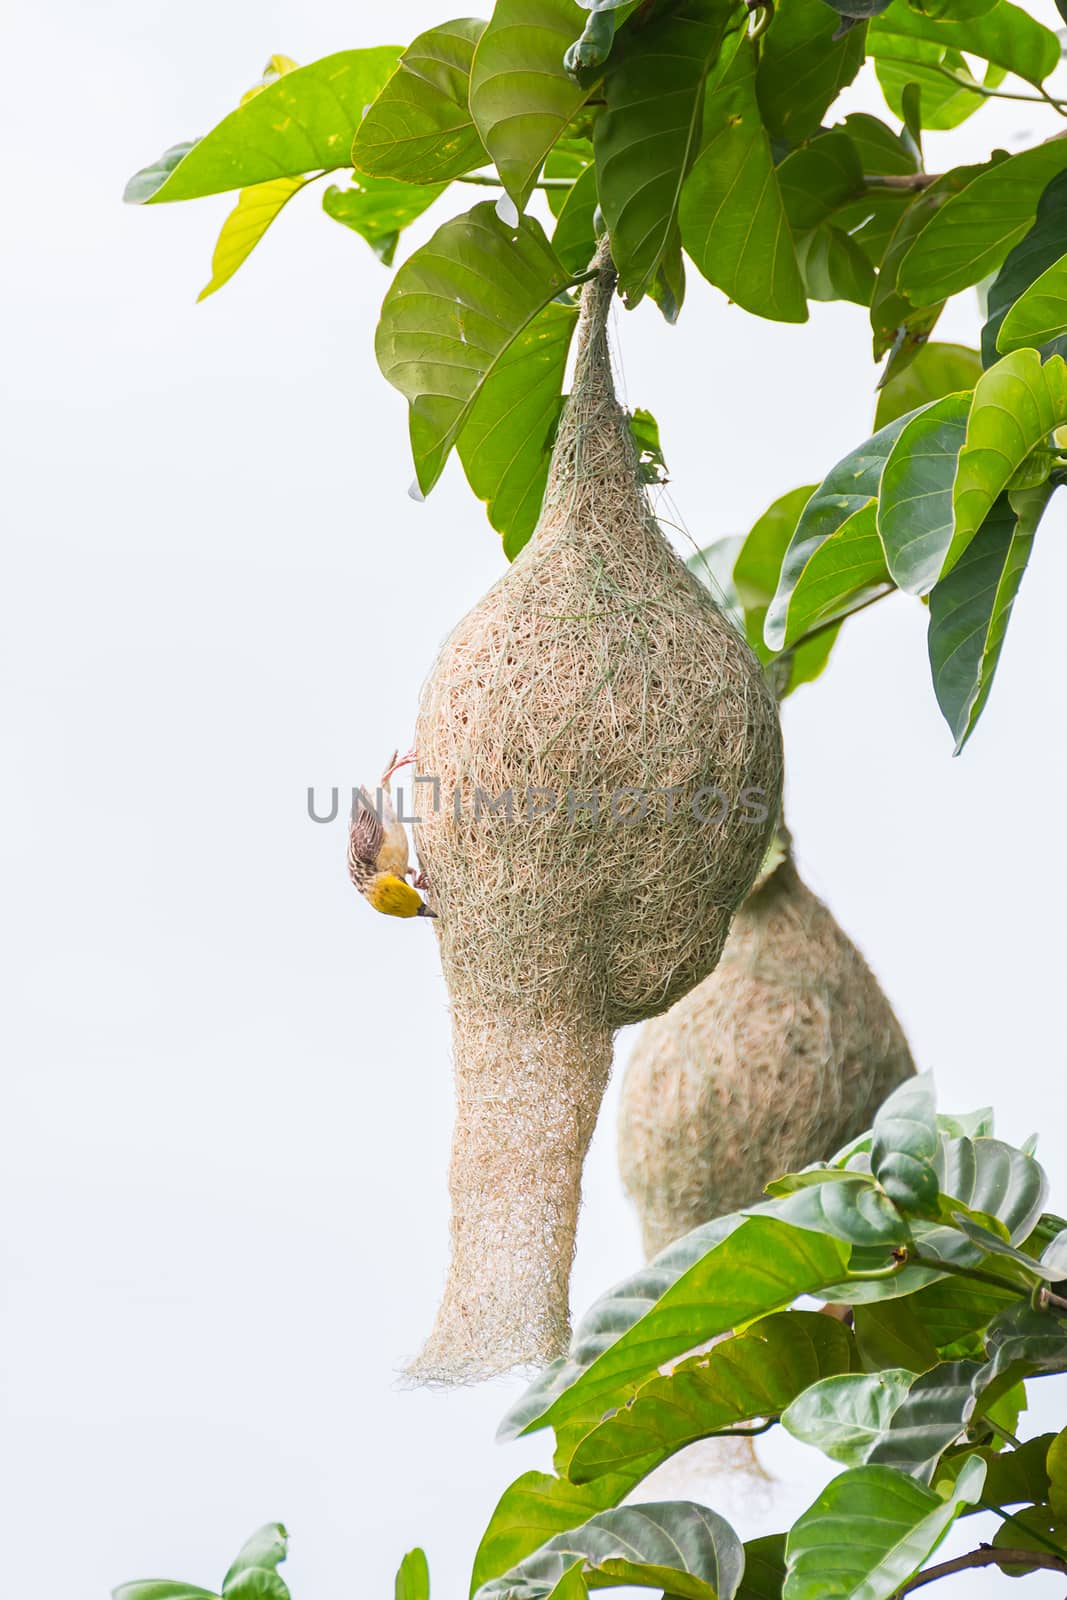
point(900, 180)
point(935, 1262)
point(986, 1555)
point(974, 87)
point(486, 181)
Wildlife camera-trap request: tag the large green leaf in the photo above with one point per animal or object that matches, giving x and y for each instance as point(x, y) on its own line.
point(413, 1577)
point(521, 98)
point(420, 129)
point(379, 209)
point(902, 63)
point(1020, 1342)
point(953, 1311)
point(1040, 313)
point(803, 67)
point(674, 1545)
point(818, 178)
point(1056, 1468)
point(834, 267)
point(304, 122)
point(733, 221)
point(532, 1510)
point(969, 614)
point(452, 314)
point(971, 234)
point(754, 1374)
point(715, 1278)
point(1042, 246)
point(506, 442)
point(648, 134)
point(915, 510)
point(845, 1416)
point(869, 1531)
point(850, 488)
point(937, 370)
point(1016, 405)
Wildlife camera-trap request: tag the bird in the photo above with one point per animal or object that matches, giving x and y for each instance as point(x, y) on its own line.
point(378, 860)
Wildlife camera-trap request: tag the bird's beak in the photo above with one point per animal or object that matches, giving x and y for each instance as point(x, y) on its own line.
point(424, 911)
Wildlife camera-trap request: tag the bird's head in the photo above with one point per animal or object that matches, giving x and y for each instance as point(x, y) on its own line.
point(395, 898)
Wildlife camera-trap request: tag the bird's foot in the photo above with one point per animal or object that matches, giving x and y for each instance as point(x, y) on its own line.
point(419, 881)
point(396, 763)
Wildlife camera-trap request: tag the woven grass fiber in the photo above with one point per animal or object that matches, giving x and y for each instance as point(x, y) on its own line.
point(599, 671)
point(774, 1061)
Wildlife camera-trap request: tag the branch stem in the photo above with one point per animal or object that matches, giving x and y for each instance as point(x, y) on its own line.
point(486, 181)
point(1042, 97)
point(985, 1556)
point(975, 1273)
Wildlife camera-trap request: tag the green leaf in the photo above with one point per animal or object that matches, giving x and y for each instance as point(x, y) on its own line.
point(915, 508)
point(845, 1416)
point(506, 444)
point(1056, 1466)
point(1040, 313)
point(1020, 1342)
point(759, 562)
point(971, 234)
point(253, 1574)
point(936, 371)
point(715, 1278)
point(969, 614)
point(929, 1418)
point(419, 129)
point(733, 221)
point(452, 314)
point(764, 1568)
point(521, 98)
point(1034, 1271)
point(379, 209)
point(245, 226)
point(984, 1174)
point(303, 122)
point(853, 1210)
point(755, 1373)
point(880, 150)
point(161, 1589)
point(803, 67)
point(892, 1334)
point(1016, 405)
point(869, 1531)
point(1012, 1476)
point(1004, 34)
point(834, 267)
point(574, 239)
point(829, 577)
point(1041, 247)
point(533, 1509)
point(915, 67)
point(647, 137)
point(674, 1545)
point(953, 1311)
point(818, 178)
point(899, 323)
point(644, 430)
point(413, 1577)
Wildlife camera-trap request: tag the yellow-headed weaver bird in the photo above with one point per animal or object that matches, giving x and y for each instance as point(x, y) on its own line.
point(378, 860)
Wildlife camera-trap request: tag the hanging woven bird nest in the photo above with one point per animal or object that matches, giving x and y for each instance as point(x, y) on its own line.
point(607, 753)
point(777, 1059)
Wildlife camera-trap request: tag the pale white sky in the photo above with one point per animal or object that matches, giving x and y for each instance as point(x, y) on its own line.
point(227, 1094)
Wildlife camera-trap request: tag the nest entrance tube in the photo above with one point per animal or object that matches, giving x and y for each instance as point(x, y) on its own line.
point(609, 766)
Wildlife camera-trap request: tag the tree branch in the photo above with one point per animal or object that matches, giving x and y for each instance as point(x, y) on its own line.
point(986, 1555)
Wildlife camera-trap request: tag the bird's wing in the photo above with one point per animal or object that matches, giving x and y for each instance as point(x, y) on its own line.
point(366, 834)
point(393, 852)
